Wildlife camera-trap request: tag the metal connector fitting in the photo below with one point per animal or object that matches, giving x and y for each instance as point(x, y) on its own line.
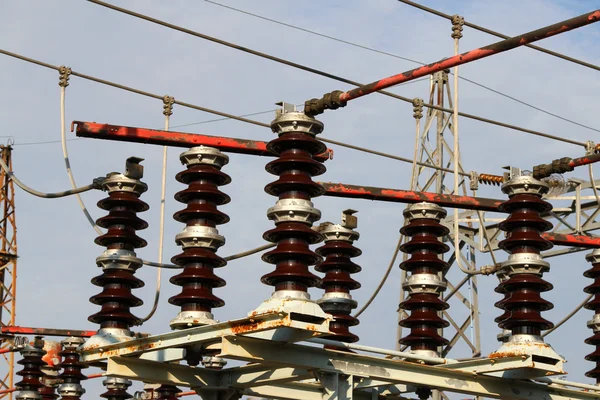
point(424, 210)
point(525, 184)
point(203, 155)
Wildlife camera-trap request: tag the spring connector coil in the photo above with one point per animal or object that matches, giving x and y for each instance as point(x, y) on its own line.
point(119, 261)
point(200, 238)
point(489, 179)
point(31, 373)
point(337, 266)
point(116, 389)
point(293, 213)
point(522, 303)
point(71, 376)
point(594, 304)
point(424, 284)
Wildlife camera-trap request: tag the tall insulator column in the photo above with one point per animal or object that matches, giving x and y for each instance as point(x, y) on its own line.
point(116, 388)
point(424, 283)
point(31, 373)
point(594, 304)
point(523, 284)
point(71, 375)
point(338, 266)
point(294, 213)
point(119, 262)
point(200, 240)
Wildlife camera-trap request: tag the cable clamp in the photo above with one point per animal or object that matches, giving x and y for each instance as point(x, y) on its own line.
point(64, 74)
point(168, 102)
point(329, 101)
point(457, 26)
point(418, 107)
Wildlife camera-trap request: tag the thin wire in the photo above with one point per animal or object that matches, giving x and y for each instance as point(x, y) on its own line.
point(45, 142)
point(316, 71)
point(569, 316)
point(161, 230)
point(385, 53)
point(500, 35)
point(63, 138)
point(383, 279)
point(55, 195)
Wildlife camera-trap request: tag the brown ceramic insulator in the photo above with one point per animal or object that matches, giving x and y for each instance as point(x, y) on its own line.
point(121, 223)
point(295, 168)
point(71, 368)
point(202, 196)
point(338, 267)
point(424, 248)
point(594, 304)
point(167, 392)
point(522, 303)
point(116, 393)
point(31, 373)
point(48, 393)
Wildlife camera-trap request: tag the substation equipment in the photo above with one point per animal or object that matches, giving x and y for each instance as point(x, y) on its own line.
point(292, 346)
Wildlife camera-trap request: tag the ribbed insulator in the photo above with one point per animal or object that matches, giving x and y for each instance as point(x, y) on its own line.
point(594, 304)
point(118, 262)
point(200, 238)
point(293, 214)
point(31, 372)
point(522, 303)
point(167, 392)
point(71, 375)
point(116, 389)
point(424, 284)
point(337, 282)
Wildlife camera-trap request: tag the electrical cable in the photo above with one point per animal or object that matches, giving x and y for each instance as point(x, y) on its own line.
point(383, 279)
point(500, 35)
point(398, 57)
point(63, 137)
point(70, 192)
point(568, 317)
point(319, 72)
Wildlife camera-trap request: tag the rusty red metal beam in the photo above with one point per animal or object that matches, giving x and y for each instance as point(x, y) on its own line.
point(175, 139)
point(585, 160)
point(408, 196)
point(22, 330)
point(335, 99)
point(445, 200)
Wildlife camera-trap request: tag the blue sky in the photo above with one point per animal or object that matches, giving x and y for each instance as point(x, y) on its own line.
point(56, 246)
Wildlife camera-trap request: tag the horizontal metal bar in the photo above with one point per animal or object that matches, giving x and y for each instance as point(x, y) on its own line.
point(23, 330)
point(393, 371)
point(208, 333)
point(409, 196)
point(175, 139)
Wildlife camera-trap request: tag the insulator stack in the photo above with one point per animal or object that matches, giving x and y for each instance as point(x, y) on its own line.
point(424, 282)
point(31, 373)
point(594, 304)
point(71, 376)
point(119, 262)
point(522, 303)
point(338, 266)
point(294, 212)
point(116, 389)
point(200, 238)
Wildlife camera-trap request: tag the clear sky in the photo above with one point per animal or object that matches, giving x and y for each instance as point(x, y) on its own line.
point(56, 246)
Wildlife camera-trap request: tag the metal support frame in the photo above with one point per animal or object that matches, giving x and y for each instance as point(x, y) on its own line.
point(8, 268)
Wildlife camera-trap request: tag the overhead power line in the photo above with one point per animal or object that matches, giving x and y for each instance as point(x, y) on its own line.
point(322, 73)
point(385, 53)
point(500, 35)
point(208, 110)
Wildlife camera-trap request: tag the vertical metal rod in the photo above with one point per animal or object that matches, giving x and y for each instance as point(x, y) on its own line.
point(578, 209)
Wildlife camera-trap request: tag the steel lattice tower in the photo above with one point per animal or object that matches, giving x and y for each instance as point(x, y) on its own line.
point(8, 266)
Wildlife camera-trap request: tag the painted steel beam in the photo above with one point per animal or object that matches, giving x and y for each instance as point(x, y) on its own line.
point(22, 330)
point(393, 371)
point(175, 139)
point(278, 323)
point(408, 196)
